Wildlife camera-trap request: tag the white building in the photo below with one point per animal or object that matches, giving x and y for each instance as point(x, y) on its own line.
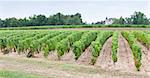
point(108, 21)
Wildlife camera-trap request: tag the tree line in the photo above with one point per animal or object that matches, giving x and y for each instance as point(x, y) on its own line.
point(138, 18)
point(40, 20)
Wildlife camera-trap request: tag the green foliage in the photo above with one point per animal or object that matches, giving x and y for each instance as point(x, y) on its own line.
point(63, 47)
point(3, 42)
point(78, 48)
point(25, 44)
point(53, 42)
point(96, 45)
point(66, 44)
point(83, 43)
point(46, 50)
point(137, 55)
point(11, 22)
point(1, 23)
point(119, 21)
point(63, 41)
point(115, 46)
point(143, 37)
point(137, 18)
point(16, 74)
point(37, 44)
point(13, 40)
point(40, 20)
point(37, 20)
point(75, 26)
point(136, 50)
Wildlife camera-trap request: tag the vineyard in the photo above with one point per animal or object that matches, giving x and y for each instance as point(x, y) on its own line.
point(129, 50)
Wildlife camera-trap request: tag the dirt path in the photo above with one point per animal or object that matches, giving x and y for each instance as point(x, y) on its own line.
point(85, 57)
point(145, 58)
point(53, 55)
point(125, 57)
point(105, 58)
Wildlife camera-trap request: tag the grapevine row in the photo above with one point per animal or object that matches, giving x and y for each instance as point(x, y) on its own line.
point(143, 37)
point(83, 43)
point(96, 45)
point(136, 49)
point(115, 46)
point(66, 44)
point(52, 43)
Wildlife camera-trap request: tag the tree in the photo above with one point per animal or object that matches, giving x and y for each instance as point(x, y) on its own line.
point(1, 23)
point(38, 20)
point(53, 20)
point(60, 19)
point(41, 19)
point(136, 18)
point(139, 18)
point(128, 20)
point(116, 21)
point(121, 20)
point(77, 19)
point(24, 22)
point(57, 19)
point(11, 22)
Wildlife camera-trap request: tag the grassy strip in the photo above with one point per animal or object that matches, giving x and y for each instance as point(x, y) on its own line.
point(16, 74)
point(73, 26)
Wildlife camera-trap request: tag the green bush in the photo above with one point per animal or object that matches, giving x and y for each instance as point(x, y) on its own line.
point(83, 43)
point(66, 44)
point(136, 49)
point(114, 46)
point(96, 45)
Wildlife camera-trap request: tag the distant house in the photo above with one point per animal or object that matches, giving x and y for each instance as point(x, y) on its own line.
point(108, 21)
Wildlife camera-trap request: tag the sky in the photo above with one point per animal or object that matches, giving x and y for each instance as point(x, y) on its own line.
point(91, 10)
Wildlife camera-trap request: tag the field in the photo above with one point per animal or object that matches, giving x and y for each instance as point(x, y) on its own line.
point(61, 53)
point(74, 26)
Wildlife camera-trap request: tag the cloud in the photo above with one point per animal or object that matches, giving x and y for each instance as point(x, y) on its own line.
point(91, 11)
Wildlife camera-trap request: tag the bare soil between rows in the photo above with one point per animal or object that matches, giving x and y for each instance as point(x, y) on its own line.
point(145, 58)
point(125, 57)
point(105, 60)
